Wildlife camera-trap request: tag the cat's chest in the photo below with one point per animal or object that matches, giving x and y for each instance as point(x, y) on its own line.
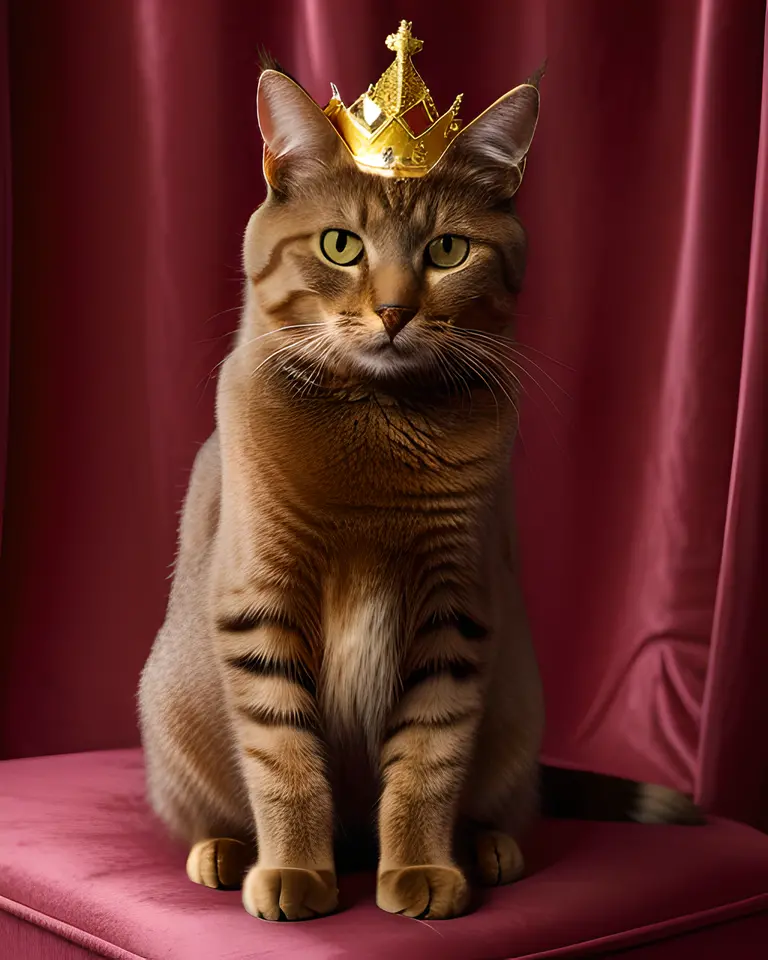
point(371, 456)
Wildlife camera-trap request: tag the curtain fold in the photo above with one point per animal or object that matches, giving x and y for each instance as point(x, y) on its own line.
point(642, 475)
point(5, 249)
point(730, 778)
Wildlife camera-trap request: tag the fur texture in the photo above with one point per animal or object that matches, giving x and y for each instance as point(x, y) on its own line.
point(345, 649)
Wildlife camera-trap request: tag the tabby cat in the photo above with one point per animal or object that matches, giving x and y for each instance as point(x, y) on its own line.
point(345, 651)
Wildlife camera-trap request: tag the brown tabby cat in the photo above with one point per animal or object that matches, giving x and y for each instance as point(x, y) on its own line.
point(345, 624)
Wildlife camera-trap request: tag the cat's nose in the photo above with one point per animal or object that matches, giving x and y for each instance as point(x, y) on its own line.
point(394, 318)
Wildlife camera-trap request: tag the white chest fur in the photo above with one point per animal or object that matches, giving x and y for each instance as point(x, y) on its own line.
point(360, 663)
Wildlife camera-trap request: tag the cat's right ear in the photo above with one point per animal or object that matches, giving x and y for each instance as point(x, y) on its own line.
point(298, 137)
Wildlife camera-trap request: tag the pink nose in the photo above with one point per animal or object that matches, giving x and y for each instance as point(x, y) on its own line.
point(394, 318)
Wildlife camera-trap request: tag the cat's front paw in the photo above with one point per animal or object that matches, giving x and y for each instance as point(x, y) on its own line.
point(218, 863)
point(289, 893)
point(427, 892)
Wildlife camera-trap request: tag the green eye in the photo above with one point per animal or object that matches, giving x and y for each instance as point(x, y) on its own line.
point(447, 251)
point(341, 247)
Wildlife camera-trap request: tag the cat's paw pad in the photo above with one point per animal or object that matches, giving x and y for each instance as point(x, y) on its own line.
point(498, 857)
point(219, 863)
point(289, 893)
point(426, 892)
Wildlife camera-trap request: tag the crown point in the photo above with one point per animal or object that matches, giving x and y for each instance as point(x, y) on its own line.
point(403, 43)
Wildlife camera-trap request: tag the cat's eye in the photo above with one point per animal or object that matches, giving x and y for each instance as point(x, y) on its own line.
point(341, 247)
point(449, 250)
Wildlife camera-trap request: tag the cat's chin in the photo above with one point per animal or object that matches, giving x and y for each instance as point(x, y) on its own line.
point(389, 364)
point(383, 359)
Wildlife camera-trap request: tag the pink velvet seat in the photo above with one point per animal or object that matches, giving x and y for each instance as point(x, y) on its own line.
point(81, 860)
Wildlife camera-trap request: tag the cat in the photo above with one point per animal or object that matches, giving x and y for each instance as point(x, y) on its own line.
point(345, 637)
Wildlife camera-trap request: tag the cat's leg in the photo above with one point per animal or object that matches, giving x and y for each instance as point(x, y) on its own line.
point(500, 799)
point(424, 763)
point(194, 782)
point(271, 690)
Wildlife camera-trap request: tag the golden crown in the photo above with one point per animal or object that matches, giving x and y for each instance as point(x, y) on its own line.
point(394, 129)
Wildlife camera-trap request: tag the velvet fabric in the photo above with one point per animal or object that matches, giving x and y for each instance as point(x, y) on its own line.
point(33, 941)
point(5, 247)
point(81, 856)
point(642, 471)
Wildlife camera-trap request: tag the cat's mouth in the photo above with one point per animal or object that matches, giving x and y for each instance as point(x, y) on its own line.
point(381, 343)
point(383, 358)
point(404, 348)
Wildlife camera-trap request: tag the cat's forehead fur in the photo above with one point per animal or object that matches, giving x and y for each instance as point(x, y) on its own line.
point(446, 200)
point(448, 190)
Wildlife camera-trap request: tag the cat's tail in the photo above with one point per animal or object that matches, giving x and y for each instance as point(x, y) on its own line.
point(581, 795)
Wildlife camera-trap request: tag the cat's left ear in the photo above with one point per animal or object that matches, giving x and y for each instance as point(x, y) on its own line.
point(298, 137)
point(496, 143)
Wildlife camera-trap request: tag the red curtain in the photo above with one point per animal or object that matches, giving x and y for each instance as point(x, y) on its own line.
point(5, 247)
point(642, 471)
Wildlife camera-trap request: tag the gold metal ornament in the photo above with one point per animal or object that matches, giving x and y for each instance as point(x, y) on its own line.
point(394, 129)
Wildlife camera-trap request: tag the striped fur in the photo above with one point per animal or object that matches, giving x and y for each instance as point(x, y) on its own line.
point(345, 629)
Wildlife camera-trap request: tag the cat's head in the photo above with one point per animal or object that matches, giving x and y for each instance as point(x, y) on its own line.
point(384, 279)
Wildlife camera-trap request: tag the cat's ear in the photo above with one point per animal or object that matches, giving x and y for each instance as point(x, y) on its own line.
point(496, 143)
point(298, 137)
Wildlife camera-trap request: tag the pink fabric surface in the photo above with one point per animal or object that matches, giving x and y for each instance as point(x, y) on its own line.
point(642, 497)
point(23, 940)
point(79, 847)
point(744, 939)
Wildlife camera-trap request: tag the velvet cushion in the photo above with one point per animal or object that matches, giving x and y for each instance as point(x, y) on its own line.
point(81, 857)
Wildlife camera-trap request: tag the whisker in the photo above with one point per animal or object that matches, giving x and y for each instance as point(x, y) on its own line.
point(560, 363)
point(221, 313)
point(288, 346)
point(216, 339)
point(206, 380)
point(261, 336)
point(454, 376)
point(291, 326)
point(511, 346)
point(541, 370)
point(479, 350)
point(317, 368)
point(476, 364)
point(496, 379)
point(480, 374)
point(507, 343)
point(497, 361)
point(496, 365)
point(449, 375)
